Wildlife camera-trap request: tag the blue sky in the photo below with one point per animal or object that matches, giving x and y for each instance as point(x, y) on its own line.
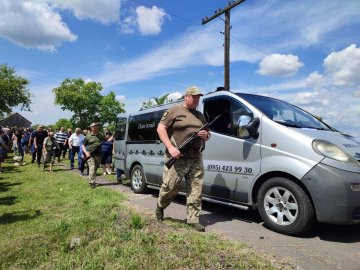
point(303, 51)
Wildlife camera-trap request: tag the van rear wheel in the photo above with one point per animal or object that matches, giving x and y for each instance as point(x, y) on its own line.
point(138, 181)
point(285, 207)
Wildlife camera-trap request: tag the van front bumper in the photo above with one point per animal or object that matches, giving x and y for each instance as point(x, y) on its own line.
point(335, 194)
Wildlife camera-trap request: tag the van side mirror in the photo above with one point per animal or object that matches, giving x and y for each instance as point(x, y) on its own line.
point(242, 123)
point(248, 127)
point(253, 127)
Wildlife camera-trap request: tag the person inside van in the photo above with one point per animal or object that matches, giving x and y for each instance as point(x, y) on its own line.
point(180, 121)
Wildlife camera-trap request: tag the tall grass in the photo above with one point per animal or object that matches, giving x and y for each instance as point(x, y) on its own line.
point(56, 221)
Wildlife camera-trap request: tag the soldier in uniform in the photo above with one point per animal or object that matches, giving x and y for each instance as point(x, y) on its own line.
point(175, 126)
point(50, 146)
point(92, 151)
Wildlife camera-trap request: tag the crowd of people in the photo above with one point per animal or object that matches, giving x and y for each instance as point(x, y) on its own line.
point(47, 147)
point(95, 149)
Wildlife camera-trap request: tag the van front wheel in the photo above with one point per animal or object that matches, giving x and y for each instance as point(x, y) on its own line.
point(285, 207)
point(138, 182)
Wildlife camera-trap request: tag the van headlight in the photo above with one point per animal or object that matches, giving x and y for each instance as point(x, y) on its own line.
point(330, 150)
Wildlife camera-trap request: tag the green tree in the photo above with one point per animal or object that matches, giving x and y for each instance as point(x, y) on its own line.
point(161, 100)
point(155, 101)
point(13, 90)
point(147, 104)
point(86, 102)
point(63, 122)
point(109, 108)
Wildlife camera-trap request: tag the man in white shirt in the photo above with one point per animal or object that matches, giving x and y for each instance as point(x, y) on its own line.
point(75, 142)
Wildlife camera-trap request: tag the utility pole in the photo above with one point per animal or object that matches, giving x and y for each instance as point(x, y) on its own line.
point(218, 12)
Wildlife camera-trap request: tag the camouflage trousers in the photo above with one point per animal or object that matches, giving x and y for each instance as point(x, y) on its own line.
point(193, 172)
point(93, 163)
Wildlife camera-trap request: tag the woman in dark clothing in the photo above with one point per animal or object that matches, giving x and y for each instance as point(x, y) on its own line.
point(107, 151)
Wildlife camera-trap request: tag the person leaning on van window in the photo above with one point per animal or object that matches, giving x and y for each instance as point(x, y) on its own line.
point(180, 122)
point(92, 151)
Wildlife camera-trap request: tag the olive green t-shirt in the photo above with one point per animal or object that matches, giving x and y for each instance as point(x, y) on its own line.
point(92, 142)
point(181, 123)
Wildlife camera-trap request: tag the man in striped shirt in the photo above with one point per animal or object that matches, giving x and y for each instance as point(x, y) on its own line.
point(60, 137)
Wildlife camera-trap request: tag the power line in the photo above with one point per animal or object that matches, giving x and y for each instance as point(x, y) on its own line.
point(192, 22)
point(225, 10)
point(189, 21)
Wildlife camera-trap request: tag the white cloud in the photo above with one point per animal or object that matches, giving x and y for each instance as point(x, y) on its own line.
point(312, 99)
point(150, 20)
point(193, 48)
point(315, 80)
point(357, 93)
point(174, 96)
point(279, 65)
point(285, 86)
point(127, 25)
point(33, 24)
point(103, 11)
point(147, 21)
point(270, 25)
point(201, 46)
point(343, 67)
point(120, 98)
point(29, 74)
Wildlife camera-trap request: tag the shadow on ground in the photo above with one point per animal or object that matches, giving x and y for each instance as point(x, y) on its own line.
point(5, 186)
point(9, 200)
point(8, 218)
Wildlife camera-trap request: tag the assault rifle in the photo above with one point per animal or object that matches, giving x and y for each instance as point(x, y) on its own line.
point(188, 141)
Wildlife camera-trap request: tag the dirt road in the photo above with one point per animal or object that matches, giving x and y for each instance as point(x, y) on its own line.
point(325, 247)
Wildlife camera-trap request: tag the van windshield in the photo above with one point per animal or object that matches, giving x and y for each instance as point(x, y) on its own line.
point(284, 113)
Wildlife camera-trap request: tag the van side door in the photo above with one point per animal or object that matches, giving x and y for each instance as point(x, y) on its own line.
point(144, 146)
point(231, 163)
point(120, 143)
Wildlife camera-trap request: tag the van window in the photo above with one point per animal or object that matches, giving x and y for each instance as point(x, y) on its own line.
point(120, 128)
point(230, 111)
point(143, 127)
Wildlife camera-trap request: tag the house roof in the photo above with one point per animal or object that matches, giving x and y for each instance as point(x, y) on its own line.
point(15, 119)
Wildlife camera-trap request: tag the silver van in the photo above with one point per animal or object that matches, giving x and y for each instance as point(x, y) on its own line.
point(264, 154)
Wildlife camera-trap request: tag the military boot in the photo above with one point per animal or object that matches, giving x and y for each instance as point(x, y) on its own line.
point(198, 227)
point(159, 213)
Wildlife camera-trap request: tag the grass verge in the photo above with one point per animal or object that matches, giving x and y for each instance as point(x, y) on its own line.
point(55, 221)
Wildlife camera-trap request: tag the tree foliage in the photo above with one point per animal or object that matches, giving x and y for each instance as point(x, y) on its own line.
point(13, 90)
point(85, 101)
point(63, 122)
point(147, 104)
point(155, 101)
